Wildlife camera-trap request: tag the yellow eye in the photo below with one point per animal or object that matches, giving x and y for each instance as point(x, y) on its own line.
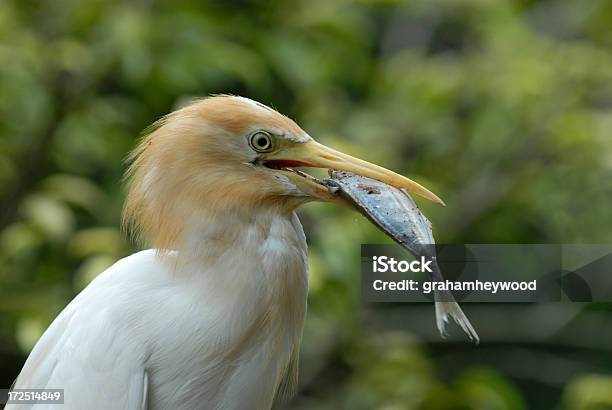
point(261, 141)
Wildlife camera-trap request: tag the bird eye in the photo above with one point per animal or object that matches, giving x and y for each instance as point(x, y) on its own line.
point(261, 141)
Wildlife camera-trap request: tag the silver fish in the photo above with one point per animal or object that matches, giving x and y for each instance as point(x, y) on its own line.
point(394, 212)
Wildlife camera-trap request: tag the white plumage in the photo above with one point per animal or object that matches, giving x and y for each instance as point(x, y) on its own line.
point(207, 335)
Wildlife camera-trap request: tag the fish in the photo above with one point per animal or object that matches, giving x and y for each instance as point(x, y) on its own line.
point(395, 213)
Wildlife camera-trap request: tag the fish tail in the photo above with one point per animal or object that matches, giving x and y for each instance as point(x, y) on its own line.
point(447, 307)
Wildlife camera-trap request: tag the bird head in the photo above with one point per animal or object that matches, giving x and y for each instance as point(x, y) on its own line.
point(227, 153)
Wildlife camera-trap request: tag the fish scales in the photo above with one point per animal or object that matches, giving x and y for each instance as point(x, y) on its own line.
point(397, 215)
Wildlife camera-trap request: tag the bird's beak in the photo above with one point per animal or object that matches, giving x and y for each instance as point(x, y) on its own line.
point(315, 155)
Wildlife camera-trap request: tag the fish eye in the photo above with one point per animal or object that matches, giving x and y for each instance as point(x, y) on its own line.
point(261, 141)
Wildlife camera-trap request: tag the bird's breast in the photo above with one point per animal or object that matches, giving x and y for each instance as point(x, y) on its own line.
point(233, 327)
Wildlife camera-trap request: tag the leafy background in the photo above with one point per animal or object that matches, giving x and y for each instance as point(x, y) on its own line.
point(501, 107)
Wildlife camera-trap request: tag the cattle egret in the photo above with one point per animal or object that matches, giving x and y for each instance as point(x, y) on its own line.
point(212, 316)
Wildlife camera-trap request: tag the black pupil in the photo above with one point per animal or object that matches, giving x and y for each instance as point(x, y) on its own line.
point(262, 142)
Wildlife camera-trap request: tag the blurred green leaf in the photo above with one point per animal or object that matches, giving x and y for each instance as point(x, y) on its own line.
point(589, 392)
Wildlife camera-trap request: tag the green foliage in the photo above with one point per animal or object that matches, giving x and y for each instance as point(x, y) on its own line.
point(501, 107)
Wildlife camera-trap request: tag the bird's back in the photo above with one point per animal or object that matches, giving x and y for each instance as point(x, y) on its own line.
point(89, 350)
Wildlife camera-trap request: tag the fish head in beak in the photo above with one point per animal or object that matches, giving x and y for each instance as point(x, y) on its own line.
point(311, 154)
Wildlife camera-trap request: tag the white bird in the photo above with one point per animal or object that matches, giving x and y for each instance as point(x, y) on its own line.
point(212, 316)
